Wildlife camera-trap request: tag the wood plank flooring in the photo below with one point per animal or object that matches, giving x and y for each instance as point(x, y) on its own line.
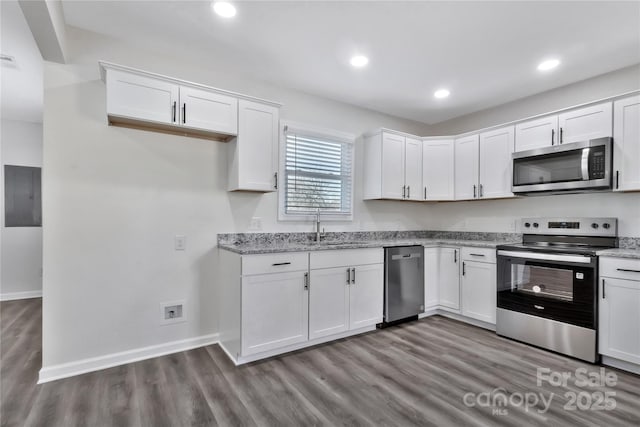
point(414, 374)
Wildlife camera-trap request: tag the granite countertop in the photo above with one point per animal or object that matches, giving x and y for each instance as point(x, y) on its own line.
point(264, 248)
point(620, 253)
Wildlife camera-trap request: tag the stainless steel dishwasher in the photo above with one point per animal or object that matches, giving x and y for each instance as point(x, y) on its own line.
point(403, 282)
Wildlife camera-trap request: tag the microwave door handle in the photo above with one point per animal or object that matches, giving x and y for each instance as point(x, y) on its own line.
point(585, 164)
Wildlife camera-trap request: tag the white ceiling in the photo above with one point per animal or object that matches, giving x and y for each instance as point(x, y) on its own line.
point(486, 53)
point(21, 85)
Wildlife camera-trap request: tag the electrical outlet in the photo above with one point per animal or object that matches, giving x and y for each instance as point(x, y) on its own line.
point(256, 224)
point(180, 243)
point(172, 312)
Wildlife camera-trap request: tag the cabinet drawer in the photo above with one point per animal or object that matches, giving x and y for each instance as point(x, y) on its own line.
point(275, 263)
point(346, 258)
point(479, 254)
point(620, 268)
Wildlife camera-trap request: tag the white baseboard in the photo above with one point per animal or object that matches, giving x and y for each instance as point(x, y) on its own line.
point(10, 296)
point(621, 364)
point(457, 316)
point(65, 370)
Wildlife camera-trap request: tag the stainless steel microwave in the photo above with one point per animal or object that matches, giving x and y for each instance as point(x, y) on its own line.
point(574, 167)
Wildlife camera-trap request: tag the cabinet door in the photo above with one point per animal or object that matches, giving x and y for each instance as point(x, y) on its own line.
point(142, 98)
point(431, 277)
point(328, 302)
point(366, 296)
point(275, 311)
point(449, 283)
point(626, 140)
point(254, 159)
point(201, 109)
point(466, 167)
point(537, 133)
point(586, 123)
point(619, 326)
point(438, 169)
point(413, 169)
point(496, 167)
point(479, 291)
point(392, 166)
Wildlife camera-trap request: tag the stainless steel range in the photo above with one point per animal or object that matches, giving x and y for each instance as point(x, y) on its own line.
point(547, 285)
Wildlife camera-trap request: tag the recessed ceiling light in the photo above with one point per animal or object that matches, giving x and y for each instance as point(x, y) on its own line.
point(549, 64)
point(359, 61)
point(441, 93)
point(224, 9)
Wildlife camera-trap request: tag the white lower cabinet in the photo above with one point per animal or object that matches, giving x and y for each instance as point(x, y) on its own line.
point(329, 302)
point(461, 281)
point(478, 289)
point(274, 303)
point(449, 279)
point(619, 309)
point(366, 296)
point(274, 311)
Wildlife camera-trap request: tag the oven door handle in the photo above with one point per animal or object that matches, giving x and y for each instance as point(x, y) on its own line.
point(547, 257)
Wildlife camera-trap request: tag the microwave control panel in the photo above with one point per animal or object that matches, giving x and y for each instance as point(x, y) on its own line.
point(597, 165)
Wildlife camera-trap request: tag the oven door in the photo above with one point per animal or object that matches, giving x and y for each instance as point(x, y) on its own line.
point(560, 287)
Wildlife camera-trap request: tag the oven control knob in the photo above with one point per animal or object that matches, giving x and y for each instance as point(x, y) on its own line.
point(535, 225)
point(606, 225)
point(527, 224)
point(594, 225)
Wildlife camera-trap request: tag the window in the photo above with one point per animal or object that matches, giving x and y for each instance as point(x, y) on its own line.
point(317, 172)
point(22, 196)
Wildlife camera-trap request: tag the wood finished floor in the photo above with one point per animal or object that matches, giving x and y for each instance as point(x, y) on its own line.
point(413, 374)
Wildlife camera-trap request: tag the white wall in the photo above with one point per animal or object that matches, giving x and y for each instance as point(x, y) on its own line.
point(21, 254)
point(503, 215)
point(114, 199)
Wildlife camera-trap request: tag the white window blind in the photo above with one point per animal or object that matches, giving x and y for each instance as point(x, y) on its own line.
point(318, 173)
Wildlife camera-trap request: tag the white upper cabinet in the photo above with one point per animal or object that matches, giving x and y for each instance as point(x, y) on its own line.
point(586, 123)
point(438, 169)
point(496, 148)
point(413, 169)
point(209, 111)
point(572, 126)
point(140, 97)
point(392, 166)
point(536, 133)
point(626, 140)
point(253, 155)
point(466, 167)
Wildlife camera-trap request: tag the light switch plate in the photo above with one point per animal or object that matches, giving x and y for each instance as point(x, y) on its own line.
point(180, 243)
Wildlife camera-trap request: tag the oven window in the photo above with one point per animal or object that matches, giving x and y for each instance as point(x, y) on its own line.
point(549, 168)
point(549, 282)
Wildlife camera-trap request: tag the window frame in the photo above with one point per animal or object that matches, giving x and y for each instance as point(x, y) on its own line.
point(343, 137)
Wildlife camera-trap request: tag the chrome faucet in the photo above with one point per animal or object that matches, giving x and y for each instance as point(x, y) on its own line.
point(318, 234)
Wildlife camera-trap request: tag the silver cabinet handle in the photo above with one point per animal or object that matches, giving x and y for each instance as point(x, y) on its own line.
point(477, 254)
point(425, 193)
point(474, 191)
point(184, 113)
point(481, 190)
point(348, 276)
point(353, 276)
point(553, 134)
point(306, 281)
point(173, 115)
point(617, 180)
point(626, 270)
point(408, 191)
point(561, 134)
point(404, 189)
point(603, 290)
point(280, 263)
point(455, 256)
point(464, 270)
point(275, 176)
